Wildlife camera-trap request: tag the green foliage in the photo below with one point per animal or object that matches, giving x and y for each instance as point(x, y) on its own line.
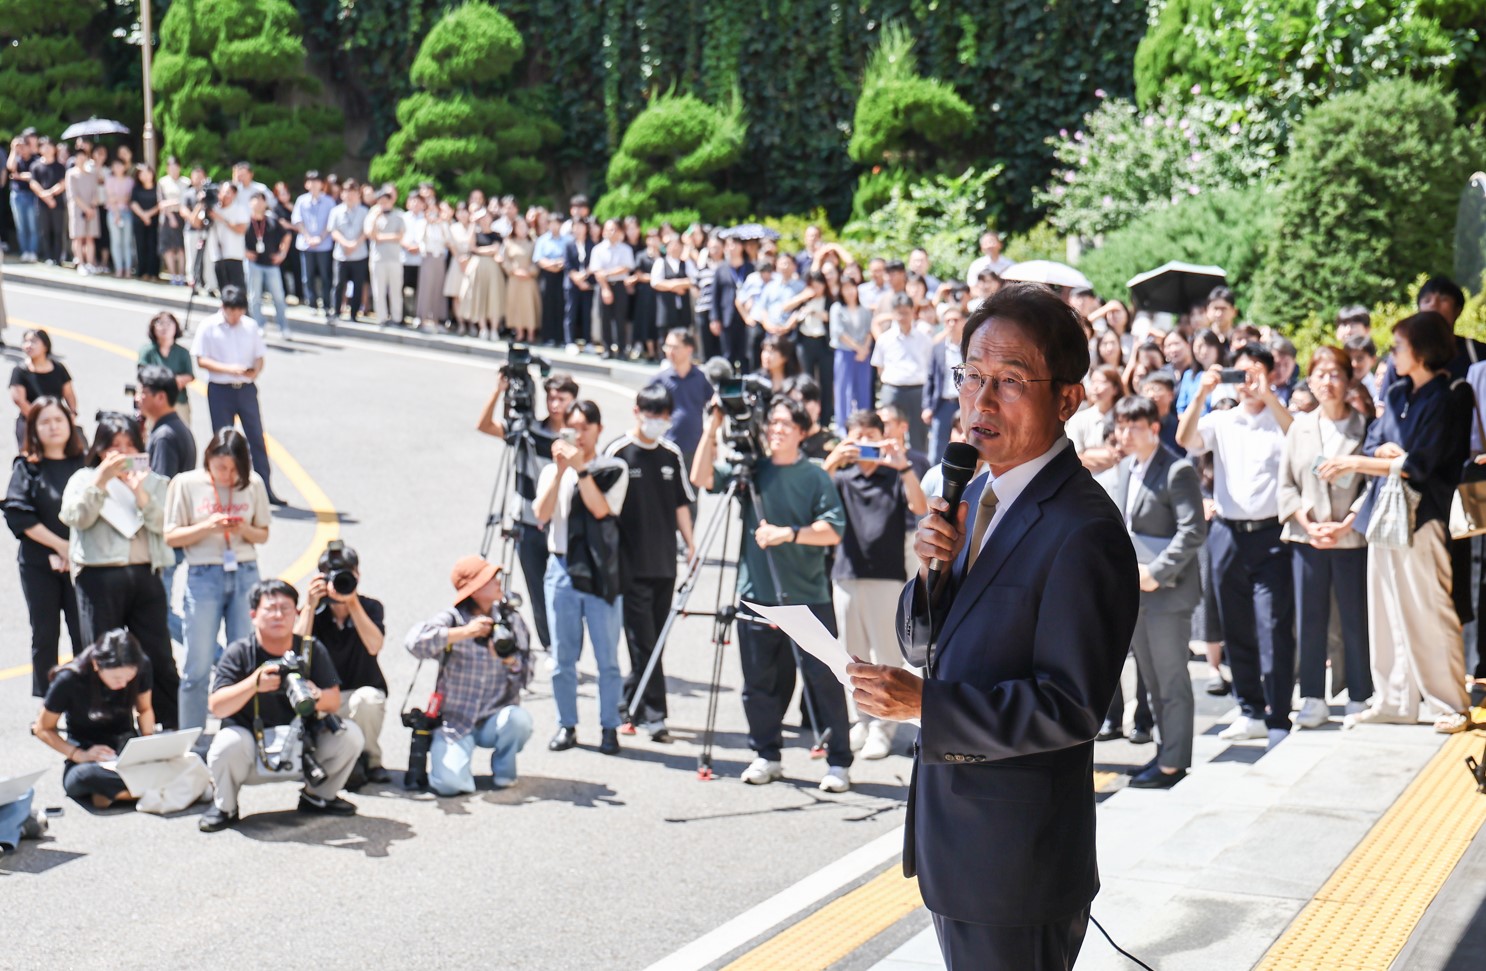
point(1289, 55)
point(1123, 162)
point(1314, 329)
point(674, 161)
point(791, 228)
point(1041, 242)
point(1230, 228)
point(900, 113)
point(1372, 177)
point(943, 214)
point(465, 130)
point(49, 66)
point(225, 77)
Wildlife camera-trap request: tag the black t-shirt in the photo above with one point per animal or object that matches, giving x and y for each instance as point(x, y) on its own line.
point(47, 174)
point(876, 507)
point(35, 497)
point(39, 385)
point(658, 486)
point(244, 657)
point(146, 199)
point(94, 714)
point(172, 447)
point(271, 234)
point(355, 667)
point(819, 444)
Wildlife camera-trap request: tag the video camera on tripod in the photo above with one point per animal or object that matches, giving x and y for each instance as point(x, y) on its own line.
point(521, 388)
point(745, 406)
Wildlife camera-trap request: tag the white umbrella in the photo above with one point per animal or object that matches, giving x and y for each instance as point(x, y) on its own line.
point(1049, 272)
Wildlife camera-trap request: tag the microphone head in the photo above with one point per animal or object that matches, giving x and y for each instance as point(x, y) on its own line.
point(718, 370)
point(959, 462)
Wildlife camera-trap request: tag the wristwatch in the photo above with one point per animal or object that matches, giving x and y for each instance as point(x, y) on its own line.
point(582, 473)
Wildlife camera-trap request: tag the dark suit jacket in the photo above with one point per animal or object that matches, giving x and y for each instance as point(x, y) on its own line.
point(1028, 653)
point(1168, 505)
point(940, 379)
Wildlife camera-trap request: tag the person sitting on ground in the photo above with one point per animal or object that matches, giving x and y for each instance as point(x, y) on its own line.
point(249, 695)
point(351, 627)
point(481, 689)
point(101, 691)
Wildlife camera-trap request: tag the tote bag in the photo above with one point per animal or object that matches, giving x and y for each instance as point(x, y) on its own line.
point(1392, 523)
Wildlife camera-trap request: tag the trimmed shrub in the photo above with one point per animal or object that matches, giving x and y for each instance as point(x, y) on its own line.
point(1371, 179)
point(674, 161)
point(223, 78)
point(463, 130)
point(940, 213)
point(49, 77)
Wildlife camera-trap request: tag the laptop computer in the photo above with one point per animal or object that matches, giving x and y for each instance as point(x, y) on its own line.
point(13, 789)
point(153, 748)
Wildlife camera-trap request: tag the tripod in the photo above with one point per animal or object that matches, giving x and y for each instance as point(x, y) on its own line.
point(723, 617)
point(517, 460)
point(198, 260)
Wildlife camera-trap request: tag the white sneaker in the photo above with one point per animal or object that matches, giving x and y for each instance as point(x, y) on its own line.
point(1354, 708)
point(879, 741)
point(761, 772)
point(1243, 728)
point(835, 780)
point(858, 736)
point(1313, 713)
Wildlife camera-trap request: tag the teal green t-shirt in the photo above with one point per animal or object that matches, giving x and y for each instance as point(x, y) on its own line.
point(178, 359)
point(792, 495)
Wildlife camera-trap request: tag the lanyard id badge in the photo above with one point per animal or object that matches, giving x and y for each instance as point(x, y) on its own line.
point(229, 560)
point(229, 555)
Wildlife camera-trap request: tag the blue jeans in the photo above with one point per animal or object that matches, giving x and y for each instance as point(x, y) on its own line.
point(120, 240)
point(213, 597)
point(506, 732)
point(853, 386)
point(173, 619)
point(23, 207)
point(566, 610)
point(12, 815)
point(261, 275)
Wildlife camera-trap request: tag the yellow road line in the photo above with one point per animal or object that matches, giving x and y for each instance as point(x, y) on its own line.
point(327, 520)
point(845, 924)
point(1362, 917)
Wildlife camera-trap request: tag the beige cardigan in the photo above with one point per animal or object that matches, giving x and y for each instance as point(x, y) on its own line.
point(1300, 488)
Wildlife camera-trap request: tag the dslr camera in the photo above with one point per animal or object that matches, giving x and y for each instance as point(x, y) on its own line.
point(521, 387)
point(745, 403)
point(291, 668)
point(422, 722)
point(339, 566)
point(209, 195)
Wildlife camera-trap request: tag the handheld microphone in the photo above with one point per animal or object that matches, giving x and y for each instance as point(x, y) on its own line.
point(958, 467)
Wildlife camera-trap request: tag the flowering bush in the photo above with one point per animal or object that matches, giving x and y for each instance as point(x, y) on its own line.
point(943, 214)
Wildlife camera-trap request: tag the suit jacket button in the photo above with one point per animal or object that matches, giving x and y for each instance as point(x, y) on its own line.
point(950, 756)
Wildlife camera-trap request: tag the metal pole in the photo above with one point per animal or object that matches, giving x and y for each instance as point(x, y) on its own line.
point(149, 94)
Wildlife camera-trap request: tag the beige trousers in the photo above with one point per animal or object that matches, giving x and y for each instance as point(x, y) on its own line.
point(386, 287)
point(866, 621)
point(367, 707)
point(1414, 633)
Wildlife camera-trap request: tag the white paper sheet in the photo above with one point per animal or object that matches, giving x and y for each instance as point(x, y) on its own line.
point(120, 510)
point(806, 630)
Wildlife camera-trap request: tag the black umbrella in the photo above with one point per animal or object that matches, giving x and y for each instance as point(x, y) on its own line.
point(1176, 287)
point(748, 231)
point(94, 126)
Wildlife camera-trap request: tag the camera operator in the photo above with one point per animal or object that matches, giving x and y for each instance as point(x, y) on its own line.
point(480, 687)
point(352, 628)
point(230, 219)
point(802, 517)
point(531, 543)
point(657, 505)
point(250, 694)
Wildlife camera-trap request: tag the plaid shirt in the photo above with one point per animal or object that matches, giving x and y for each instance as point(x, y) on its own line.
point(476, 684)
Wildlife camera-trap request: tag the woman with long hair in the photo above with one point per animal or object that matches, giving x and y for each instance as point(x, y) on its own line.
point(218, 514)
point(101, 692)
point(461, 239)
point(51, 454)
point(483, 296)
point(642, 297)
point(116, 508)
point(164, 347)
point(432, 307)
point(777, 361)
point(144, 206)
point(851, 338)
point(118, 188)
point(1107, 351)
point(810, 317)
point(38, 376)
point(523, 310)
point(172, 223)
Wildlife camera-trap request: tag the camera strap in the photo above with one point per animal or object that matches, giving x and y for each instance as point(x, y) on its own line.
point(309, 661)
point(438, 679)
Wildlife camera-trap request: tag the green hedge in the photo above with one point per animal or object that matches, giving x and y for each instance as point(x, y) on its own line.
point(51, 69)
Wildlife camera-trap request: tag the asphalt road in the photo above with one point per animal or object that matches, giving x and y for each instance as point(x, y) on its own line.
point(589, 862)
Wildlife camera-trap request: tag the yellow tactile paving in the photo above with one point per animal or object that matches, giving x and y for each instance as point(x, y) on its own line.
point(848, 922)
point(1361, 918)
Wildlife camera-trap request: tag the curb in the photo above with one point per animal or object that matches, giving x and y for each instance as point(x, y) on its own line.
point(168, 297)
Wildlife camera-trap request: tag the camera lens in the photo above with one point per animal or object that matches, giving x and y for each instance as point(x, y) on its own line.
point(342, 582)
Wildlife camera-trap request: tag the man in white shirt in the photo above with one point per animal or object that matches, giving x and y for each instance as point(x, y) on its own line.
point(872, 288)
point(902, 357)
point(415, 219)
point(990, 258)
point(1251, 567)
point(229, 348)
point(609, 263)
point(229, 222)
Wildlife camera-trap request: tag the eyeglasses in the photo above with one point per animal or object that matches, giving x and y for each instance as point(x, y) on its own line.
point(1006, 387)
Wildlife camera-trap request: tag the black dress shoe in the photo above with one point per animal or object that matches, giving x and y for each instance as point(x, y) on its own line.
point(1108, 733)
point(215, 820)
point(609, 743)
point(1154, 778)
point(566, 738)
point(335, 806)
point(1138, 769)
point(378, 775)
point(1218, 686)
point(1141, 736)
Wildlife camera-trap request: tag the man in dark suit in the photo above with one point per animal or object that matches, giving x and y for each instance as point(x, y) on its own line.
point(1161, 499)
point(1022, 636)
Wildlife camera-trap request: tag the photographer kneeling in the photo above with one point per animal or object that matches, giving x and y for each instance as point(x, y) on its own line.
point(352, 627)
point(480, 679)
point(264, 687)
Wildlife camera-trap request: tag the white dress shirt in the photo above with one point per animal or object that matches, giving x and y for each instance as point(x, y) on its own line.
point(1010, 485)
point(903, 358)
point(1247, 449)
point(241, 344)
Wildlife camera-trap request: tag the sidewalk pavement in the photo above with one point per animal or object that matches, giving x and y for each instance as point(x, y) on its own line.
point(1205, 876)
point(304, 322)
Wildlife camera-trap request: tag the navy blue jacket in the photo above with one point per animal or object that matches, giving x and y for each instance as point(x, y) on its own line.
point(939, 377)
point(1028, 651)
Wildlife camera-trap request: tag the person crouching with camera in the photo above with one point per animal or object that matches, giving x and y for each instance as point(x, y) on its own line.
point(484, 655)
point(272, 691)
point(351, 626)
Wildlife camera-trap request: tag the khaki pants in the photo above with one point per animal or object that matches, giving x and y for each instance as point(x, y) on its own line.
point(1413, 630)
point(866, 616)
point(386, 288)
point(233, 762)
point(367, 707)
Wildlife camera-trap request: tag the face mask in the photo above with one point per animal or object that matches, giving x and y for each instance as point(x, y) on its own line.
point(654, 428)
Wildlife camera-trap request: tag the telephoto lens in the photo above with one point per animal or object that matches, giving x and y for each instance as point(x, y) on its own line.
point(301, 699)
point(342, 582)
